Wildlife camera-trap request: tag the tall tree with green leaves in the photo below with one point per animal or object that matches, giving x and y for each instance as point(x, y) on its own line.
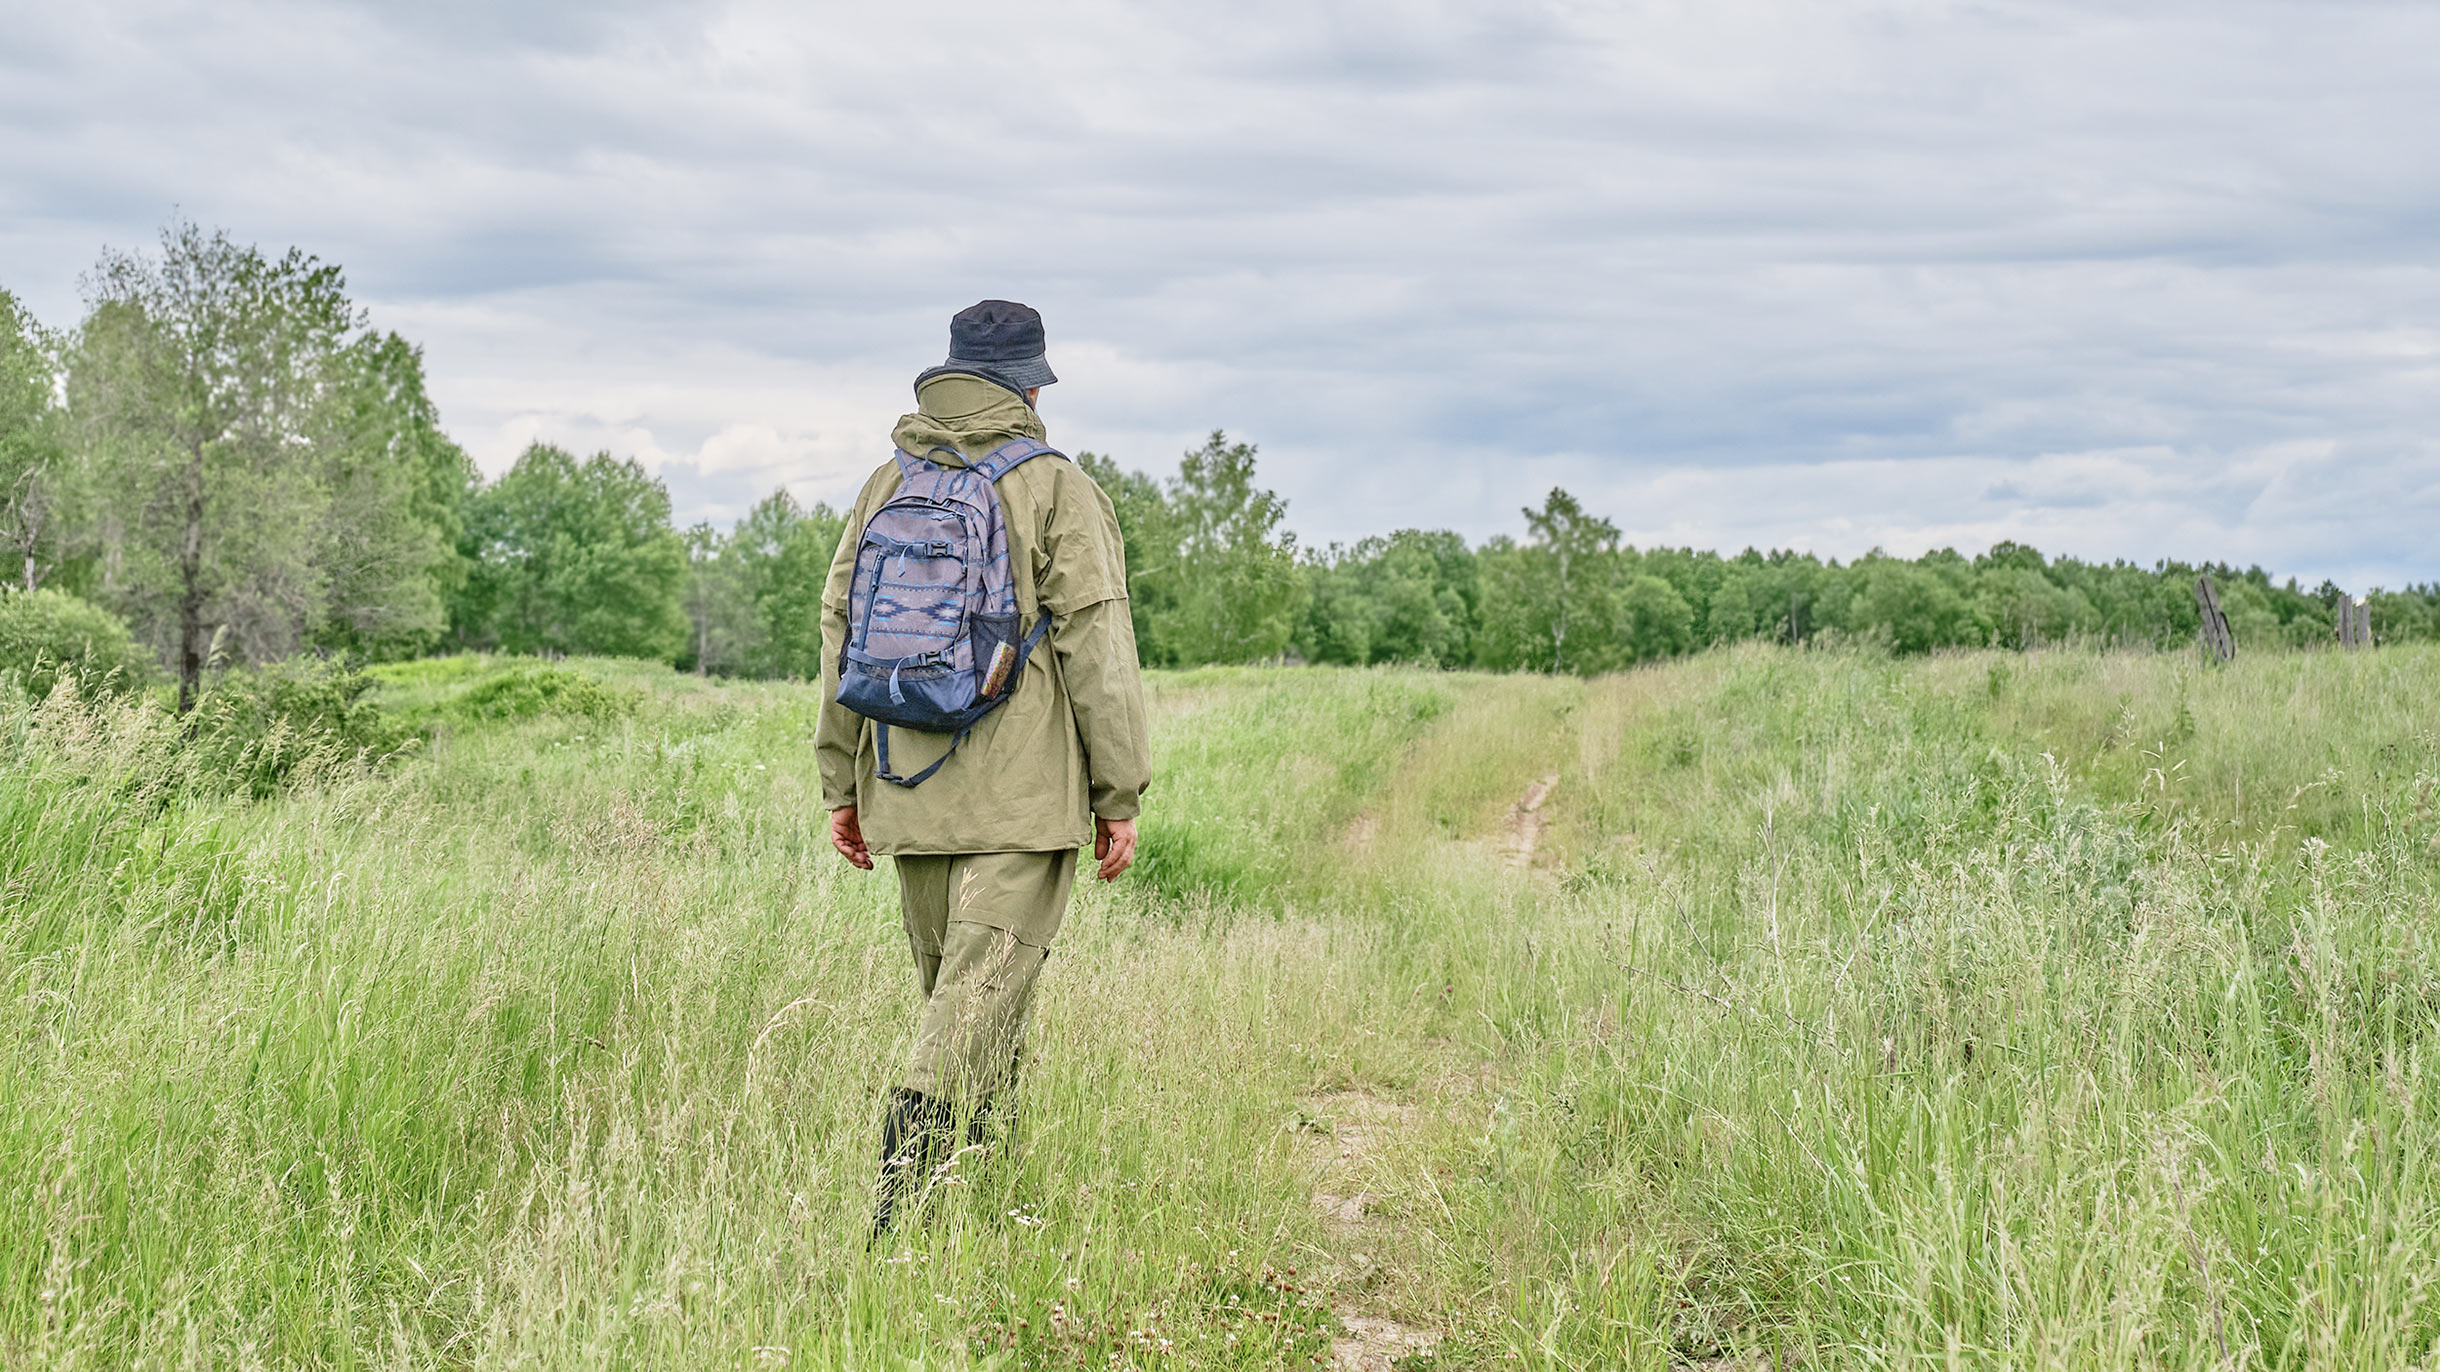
point(1341, 617)
point(1547, 602)
point(1654, 621)
point(399, 487)
point(1405, 598)
point(38, 488)
point(783, 552)
point(574, 557)
point(1908, 606)
point(1234, 593)
point(717, 610)
point(1148, 529)
point(1733, 613)
point(1574, 542)
point(754, 594)
point(211, 386)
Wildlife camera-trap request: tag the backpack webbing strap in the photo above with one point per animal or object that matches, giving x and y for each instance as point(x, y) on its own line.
point(910, 466)
point(881, 764)
point(1033, 640)
point(1011, 455)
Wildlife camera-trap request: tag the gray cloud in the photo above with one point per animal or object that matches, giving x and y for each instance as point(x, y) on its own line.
point(2149, 280)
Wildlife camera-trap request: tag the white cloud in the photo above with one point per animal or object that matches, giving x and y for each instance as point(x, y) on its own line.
point(2138, 280)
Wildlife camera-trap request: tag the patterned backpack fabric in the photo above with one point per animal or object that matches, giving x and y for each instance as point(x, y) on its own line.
point(932, 614)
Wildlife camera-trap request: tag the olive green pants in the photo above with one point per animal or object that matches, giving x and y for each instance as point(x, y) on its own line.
point(980, 925)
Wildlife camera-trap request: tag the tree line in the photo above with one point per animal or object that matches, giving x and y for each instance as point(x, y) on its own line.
point(227, 460)
point(1215, 579)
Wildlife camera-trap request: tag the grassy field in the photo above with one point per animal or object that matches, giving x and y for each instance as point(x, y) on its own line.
point(2069, 1010)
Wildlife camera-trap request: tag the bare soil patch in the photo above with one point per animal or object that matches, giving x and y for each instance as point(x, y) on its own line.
point(1358, 837)
point(1375, 1345)
point(1525, 822)
point(1346, 1134)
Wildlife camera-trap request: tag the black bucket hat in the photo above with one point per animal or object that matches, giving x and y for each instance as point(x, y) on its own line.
point(1002, 340)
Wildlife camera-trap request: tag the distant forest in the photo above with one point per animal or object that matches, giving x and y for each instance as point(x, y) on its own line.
point(222, 464)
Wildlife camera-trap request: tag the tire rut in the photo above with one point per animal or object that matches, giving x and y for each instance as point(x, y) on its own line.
point(1345, 1134)
point(1526, 821)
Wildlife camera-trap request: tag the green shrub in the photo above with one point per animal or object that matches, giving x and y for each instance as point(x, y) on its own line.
point(422, 672)
point(528, 691)
point(261, 727)
point(44, 631)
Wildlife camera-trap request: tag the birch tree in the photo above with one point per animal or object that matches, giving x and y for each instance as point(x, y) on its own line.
point(1236, 593)
point(1572, 547)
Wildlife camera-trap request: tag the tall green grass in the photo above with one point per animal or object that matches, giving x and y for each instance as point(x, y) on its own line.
point(2049, 1011)
point(2069, 1011)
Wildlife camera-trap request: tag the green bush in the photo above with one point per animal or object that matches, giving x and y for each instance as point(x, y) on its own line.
point(262, 727)
point(44, 631)
point(525, 692)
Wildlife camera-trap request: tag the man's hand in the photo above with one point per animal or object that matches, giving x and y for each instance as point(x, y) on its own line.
point(848, 837)
point(1113, 843)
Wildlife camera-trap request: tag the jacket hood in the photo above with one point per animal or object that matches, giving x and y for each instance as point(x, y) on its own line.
point(966, 414)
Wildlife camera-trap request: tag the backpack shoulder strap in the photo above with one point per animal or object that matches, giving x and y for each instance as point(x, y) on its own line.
point(1011, 455)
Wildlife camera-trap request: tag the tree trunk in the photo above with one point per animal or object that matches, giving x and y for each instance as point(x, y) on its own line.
point(190, 657)
point(1558, 635)
point(190, 589)
point(26, 528)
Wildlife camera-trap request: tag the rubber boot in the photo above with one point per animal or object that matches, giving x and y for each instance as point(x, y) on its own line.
point(911, 1137)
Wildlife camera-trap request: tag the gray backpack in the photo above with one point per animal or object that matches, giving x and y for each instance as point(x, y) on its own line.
point(932, 639)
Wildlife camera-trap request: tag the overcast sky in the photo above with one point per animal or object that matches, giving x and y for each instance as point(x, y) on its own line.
point(2117, 279)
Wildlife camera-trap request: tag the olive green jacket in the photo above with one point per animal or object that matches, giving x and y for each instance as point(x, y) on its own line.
point(1070, 742)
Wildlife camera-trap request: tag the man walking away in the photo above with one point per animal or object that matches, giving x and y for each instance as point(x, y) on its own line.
point(978, 743)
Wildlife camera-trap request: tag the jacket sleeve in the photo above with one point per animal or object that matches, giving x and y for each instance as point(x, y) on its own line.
point(838, 733)
point(1084, 588)
point(1096, 647)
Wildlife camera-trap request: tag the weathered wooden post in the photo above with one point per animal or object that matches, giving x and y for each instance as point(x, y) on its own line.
point(2223, 645)
point(2354, 619)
